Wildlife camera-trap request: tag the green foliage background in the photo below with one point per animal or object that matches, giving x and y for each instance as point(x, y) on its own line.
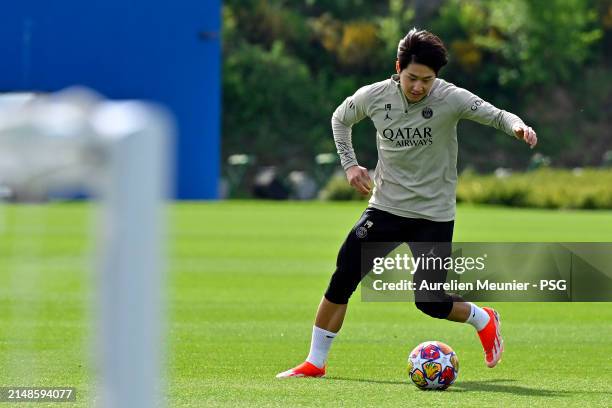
point(289, 63)
point(579, 188)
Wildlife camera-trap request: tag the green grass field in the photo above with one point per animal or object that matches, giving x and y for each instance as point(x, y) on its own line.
point(244, 284)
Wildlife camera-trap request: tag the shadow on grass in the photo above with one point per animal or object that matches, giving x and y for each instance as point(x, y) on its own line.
point(495, 385)
point(514, 389)
point(367, 380)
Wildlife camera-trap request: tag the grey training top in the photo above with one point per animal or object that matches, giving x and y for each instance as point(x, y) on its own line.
point(416, 174)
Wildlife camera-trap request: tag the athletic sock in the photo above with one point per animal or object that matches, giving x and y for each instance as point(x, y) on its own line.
point(478, 317)
point(319, 346)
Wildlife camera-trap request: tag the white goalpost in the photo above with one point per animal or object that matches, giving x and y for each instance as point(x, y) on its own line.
point(118, 152)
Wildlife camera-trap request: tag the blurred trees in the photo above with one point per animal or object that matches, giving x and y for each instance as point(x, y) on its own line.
point(289, 63)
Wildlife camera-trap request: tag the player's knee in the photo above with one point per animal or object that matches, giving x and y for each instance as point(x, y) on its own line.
point(338, 296)
point(342, 284)
point(346, 277)
point(439, 310)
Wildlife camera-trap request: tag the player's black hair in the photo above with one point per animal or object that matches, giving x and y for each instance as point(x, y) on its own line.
point(422, 47)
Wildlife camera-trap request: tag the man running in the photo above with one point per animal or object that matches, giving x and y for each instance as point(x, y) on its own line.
point(415, 114)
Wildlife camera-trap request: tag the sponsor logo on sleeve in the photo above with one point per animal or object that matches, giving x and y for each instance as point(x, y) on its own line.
point(476, 104)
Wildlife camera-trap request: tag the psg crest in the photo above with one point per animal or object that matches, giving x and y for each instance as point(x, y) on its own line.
point(427, 112)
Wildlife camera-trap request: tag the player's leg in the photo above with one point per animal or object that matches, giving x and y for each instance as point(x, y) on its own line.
point(452, 307)
point(433, 302)
point(330, 316)
point(380, 230)
point(487, 323)
point(328, 322)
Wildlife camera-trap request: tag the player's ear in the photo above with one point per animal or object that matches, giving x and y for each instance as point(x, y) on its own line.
point(397, 66)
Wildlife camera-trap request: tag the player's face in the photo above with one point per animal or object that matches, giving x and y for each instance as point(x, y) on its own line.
point(416, 80)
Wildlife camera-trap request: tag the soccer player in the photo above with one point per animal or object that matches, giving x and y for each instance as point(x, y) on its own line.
point(413, 200)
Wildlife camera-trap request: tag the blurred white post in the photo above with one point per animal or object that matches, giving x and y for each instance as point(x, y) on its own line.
point(119, 151)
point(131, 279)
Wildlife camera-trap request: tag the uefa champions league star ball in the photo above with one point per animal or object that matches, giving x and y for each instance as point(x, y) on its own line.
point(433, 365)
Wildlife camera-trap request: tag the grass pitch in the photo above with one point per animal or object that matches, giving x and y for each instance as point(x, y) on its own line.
point(245, 281)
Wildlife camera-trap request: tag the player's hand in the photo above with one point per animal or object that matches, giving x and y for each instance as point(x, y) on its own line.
point(359, 178)
point(527, 134)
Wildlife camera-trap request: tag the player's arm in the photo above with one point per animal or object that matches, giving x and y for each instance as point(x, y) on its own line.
point(474, 108)
point(351, 111)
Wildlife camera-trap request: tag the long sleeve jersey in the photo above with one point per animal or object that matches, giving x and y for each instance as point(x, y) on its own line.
point(416, 173)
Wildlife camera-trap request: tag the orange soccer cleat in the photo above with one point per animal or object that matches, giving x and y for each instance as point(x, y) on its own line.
point(305, 369)
point(491, 339)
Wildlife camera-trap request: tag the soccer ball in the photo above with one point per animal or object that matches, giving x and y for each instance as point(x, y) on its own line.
point(433, 365)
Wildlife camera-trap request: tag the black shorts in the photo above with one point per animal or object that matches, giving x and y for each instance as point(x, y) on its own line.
point(384, 231)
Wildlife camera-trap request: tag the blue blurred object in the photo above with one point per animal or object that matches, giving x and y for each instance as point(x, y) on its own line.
point(168, 52)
